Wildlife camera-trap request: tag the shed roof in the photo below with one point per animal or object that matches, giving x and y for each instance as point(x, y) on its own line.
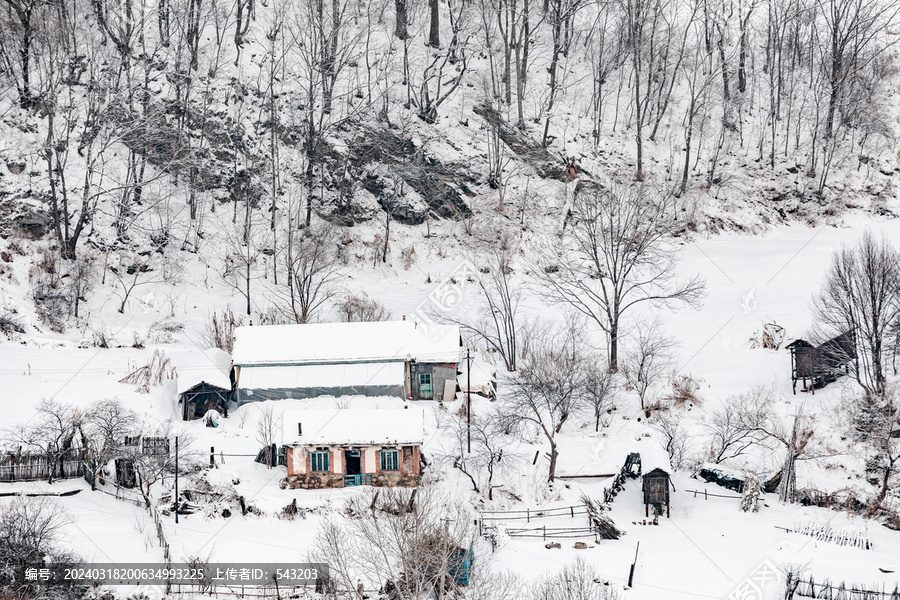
point(355, 427)
point(212, 366)
point(342, 343)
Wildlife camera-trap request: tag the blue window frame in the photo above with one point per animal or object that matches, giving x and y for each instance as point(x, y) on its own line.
point(390, 460)
point(320, 461)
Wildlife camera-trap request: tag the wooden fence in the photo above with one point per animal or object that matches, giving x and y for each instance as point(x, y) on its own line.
point(808, 588)
point(35, 467)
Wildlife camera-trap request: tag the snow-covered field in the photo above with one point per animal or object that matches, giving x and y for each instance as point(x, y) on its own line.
point(705, 550)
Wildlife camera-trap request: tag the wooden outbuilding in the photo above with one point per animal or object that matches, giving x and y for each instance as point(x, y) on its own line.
point(656, 491)
point(205, 383)
point(820, 365)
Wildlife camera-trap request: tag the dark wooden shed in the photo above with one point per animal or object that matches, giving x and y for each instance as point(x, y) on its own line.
point(205, 382)
point(656, 490)
point(820, 365)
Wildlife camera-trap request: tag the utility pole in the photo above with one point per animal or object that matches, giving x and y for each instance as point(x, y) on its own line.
point(176, 478)
point(468, 401)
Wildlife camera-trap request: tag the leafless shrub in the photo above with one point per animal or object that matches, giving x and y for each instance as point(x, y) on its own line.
point(153, 373)
point(102, 337)
point(356, 308)
point(769, 336)
point(219, 332)
point(578, 581)
point(684, 391)
point(52, 298)
point(10, 323)
point(162, 332)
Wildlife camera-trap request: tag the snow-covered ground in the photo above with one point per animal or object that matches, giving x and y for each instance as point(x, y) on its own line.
point(707, 547)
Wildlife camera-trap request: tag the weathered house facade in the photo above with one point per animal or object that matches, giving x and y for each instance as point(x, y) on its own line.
point(349, 447)
point(389, 358)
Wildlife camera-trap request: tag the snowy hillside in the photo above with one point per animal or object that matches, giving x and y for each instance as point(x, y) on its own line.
point(629, 209)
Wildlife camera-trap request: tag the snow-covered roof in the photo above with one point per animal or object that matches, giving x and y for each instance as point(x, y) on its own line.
point(354, 426)
point(212, 366)
point(331, 343)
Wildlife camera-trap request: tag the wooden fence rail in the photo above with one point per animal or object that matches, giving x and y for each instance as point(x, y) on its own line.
point(37, 468)
point(808, 588)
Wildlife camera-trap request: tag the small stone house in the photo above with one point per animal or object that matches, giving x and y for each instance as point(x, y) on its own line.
point(350, 447)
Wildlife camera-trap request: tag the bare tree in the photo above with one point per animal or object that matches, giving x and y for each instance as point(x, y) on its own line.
point(133, 271)
point(547, 389)
point(500, 321)
point(876, 421)
point(398, 539)
point(648, 362)
point(599, 393)
point(615, 256)
point(52, 432)
point(674, 438)
point(313, 268)
point(736, 424)
point(31, 530)
point(355, 308)
point(861, 295)
point(268, 427)
point(106, 424)
point(490, 450)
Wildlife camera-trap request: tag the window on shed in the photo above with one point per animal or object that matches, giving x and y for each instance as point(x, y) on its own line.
point(390, 460)
point(424, 378)
point(320, 460)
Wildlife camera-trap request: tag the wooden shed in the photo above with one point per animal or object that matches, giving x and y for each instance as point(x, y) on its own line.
point(656, 490)
point(820, 365)
point(205, 383)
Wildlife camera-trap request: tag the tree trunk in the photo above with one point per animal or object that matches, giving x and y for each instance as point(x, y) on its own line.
point(400, 28)
point(554, 455)
point(614, 348)
point(434, 34)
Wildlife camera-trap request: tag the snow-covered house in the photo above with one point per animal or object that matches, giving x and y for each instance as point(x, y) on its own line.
point(204, 383)
point(404, 359)
point(348, 447)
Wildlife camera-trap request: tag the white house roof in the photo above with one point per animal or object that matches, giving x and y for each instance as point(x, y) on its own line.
point(212, 366)
point(335, 343)
point(354, 427)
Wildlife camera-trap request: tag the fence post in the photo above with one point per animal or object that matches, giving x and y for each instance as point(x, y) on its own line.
point(545, 532)
point(212, 457)
point(527, 516)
